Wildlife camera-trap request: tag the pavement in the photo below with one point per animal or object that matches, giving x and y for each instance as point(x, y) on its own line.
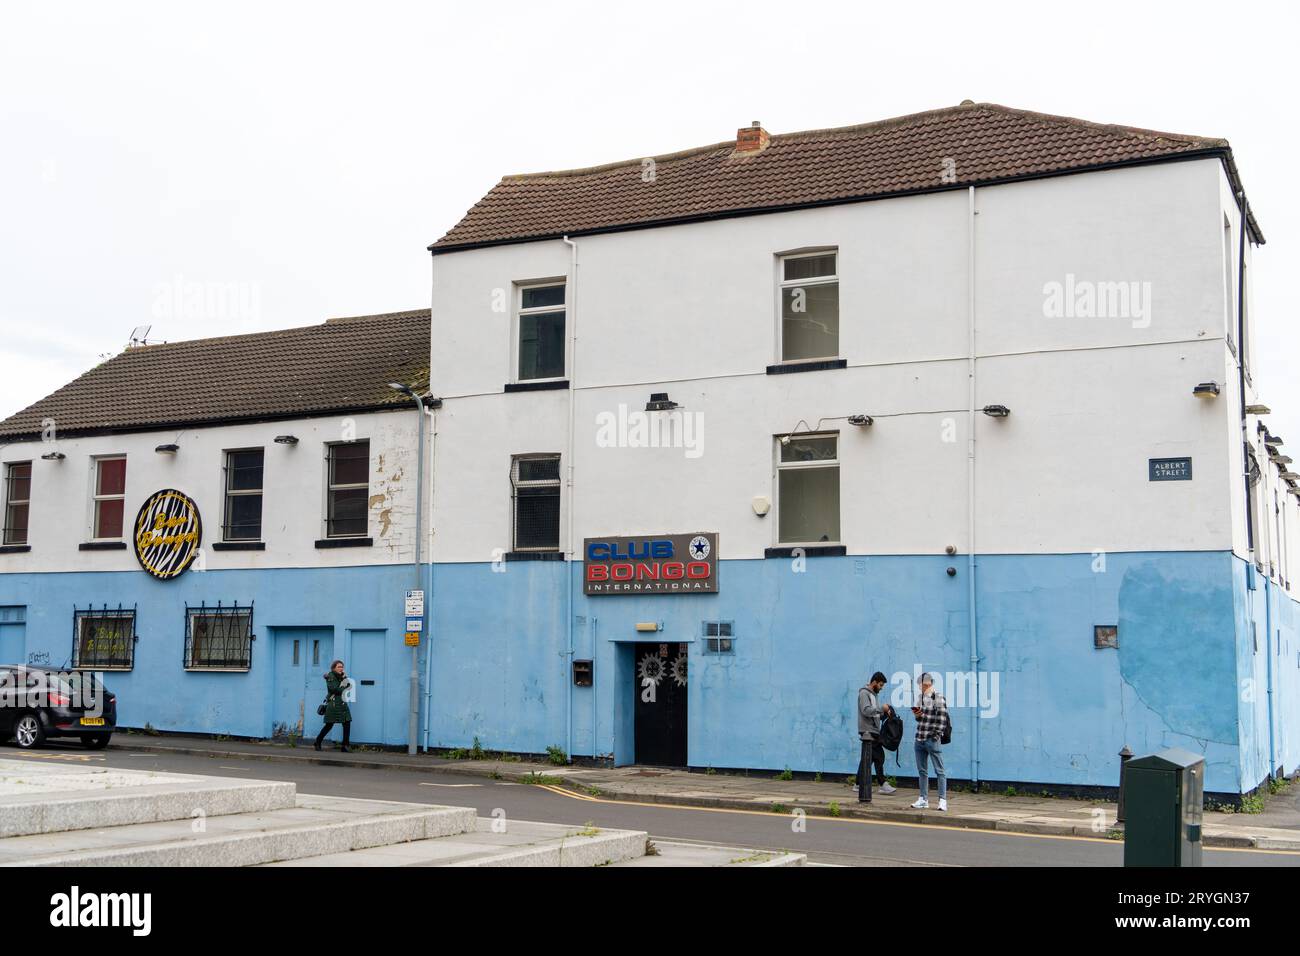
point(1276, 828)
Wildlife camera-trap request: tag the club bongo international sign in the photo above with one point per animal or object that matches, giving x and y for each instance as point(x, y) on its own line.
point(168, 532)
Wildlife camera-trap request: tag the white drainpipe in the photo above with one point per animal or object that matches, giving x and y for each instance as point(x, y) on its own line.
point(970, 484)
point(570, 368)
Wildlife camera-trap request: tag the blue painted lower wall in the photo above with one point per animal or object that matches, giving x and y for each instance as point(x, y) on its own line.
point(1049, 707)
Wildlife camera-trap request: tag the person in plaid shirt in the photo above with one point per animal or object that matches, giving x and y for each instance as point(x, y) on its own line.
point(932, 720)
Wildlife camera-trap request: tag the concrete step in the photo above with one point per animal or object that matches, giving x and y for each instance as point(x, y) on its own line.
point(315, 826)
point(524, 843)
point(697, 854)
point(54, 798)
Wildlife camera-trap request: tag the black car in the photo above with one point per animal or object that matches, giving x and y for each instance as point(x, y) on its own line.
point(37, 703)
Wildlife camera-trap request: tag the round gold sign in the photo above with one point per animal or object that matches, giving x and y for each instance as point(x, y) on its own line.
point(168, 532)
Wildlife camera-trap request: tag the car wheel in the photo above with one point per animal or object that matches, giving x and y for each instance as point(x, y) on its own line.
point(95, 741)
point(28, 732)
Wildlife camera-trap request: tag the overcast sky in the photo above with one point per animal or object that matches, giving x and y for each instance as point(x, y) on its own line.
point(292, 161)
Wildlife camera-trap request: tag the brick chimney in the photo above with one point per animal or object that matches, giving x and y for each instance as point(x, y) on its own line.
point(751, 138)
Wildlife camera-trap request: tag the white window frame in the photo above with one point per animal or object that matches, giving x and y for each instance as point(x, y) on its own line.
point(797, 465)
point(516, 484)
point(520, 312)
point(346, 486)
point(10, 502)
point(96, 498)
point(782, 283)
point(227, 493)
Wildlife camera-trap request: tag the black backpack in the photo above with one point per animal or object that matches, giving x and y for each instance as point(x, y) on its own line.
point(891, 732)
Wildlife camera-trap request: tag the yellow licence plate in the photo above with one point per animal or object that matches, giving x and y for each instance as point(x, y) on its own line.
point(92, 721)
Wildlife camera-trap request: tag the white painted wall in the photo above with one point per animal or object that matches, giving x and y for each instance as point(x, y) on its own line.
point(691, 310)
point(293, 497)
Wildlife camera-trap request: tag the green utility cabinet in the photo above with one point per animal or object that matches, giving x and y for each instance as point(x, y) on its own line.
point(1164, 795)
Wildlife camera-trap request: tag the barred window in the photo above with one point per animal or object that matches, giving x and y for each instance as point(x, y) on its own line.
point(243, 518)
point(348, 465)
point(103, 638)
point(535, 493)
point(718, 637)
point(219, 637)
point(18, 494)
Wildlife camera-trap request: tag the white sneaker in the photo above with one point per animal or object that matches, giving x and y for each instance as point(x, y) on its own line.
point(943, 804)
point(921, 804)
point(886, 788)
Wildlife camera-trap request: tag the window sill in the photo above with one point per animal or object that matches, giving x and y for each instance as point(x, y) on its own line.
point(15, 548)
point(534, 556)
point(535, 386)
point(239, 546)
point(345, 542)
point(218, 670)
point(102, 546)
point(809, 551)
point(98, 667)
point(821, 365)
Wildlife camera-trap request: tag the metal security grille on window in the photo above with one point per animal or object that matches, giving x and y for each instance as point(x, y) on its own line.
point(18, 493)
point(219, 637)
point(535, 484)
point(349, 488)
point(103, 638)
point(717, 637)
point(243, 516)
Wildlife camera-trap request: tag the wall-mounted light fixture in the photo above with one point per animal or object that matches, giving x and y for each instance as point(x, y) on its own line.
point(660, 402)
point(645, 626)
point(170, 448)
point(862, 421)
point(996, 411)
point(53, 456)
point(1258, 410)
point(1206, 390)
point(286, 439)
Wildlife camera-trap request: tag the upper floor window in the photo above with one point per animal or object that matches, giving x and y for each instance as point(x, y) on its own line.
point(348, 470)
point(535, 487)
point(810, 306)
point(808, 489)
point(18, 493)
point(541, 331)
point(243, 514)
point(109, 498)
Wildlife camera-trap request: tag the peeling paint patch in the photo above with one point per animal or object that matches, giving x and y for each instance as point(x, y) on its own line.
point(1177, 647)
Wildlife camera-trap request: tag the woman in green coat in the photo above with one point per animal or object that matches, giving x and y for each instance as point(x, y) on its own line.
point(337, 684)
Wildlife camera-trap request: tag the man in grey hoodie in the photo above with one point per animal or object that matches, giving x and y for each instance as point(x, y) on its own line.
point(870, 710)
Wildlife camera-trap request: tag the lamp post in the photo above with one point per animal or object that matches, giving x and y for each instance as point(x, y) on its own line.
point(413, 723)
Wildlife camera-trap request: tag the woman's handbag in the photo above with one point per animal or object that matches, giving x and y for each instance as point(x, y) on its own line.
point(320, 711)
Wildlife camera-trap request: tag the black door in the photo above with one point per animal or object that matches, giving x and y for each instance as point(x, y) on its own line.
point(660, 711)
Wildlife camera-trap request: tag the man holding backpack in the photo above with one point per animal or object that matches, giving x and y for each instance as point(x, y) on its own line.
point(933, 730)
point(870, 710)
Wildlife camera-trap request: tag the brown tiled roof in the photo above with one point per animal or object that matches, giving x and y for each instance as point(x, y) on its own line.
point(341, 365)
point(987, 143)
